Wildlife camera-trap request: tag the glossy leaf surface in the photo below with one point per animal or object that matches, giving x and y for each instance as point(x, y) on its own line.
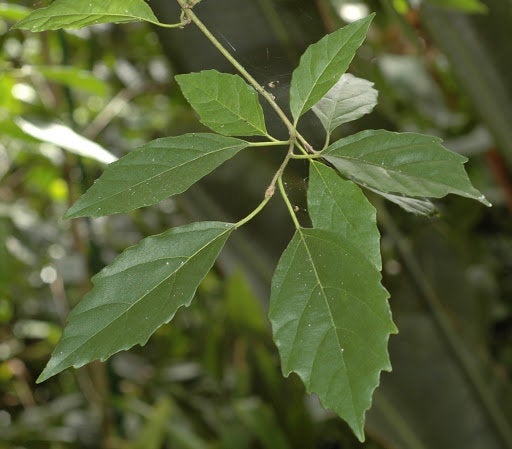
point(225, 103)
point(72, 14)
point(331, 321)
point(141, 290)
point(349, 99)
point(341, 207)
point(407, 163)
point(323, 63)
point(159, 169)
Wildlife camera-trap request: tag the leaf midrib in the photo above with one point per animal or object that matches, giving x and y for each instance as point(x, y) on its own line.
point(147, 293)
point(152, 178)
point(301, 111)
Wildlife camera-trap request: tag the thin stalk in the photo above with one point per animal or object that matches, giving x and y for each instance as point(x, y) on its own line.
point(287, 202)
point(272, 186)
point(305, 156)
point(187, 9)
point(269, 144)
point(255, 212)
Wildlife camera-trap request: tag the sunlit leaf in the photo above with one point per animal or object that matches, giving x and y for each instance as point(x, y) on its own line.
point(323, 63)
point(407, 163)
point(72, 77)
point(461, 5)
point(66, 138)
point(155, 171)
point(77, 14)
point(13, 12)
point(141, 290)
point(225, 103)
point(349, 99)
point(340, 206)
point(331, 321)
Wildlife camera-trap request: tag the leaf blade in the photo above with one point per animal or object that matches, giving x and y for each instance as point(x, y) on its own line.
point(411, 164)
point(323, 63)
point(340, 206)
point(321, 312)
point(153, 278)
point(224, 102)
point(73, 14)
point(349, 99)
point(161, 168)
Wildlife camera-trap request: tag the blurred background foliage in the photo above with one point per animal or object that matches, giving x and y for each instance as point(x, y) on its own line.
point(211, 378)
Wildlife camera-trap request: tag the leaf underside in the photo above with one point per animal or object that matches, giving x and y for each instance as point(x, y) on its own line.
point(411, 164)
point(73, 14)
point(225, 103)
point(341, 207)
point(331, 321)
point(323, 63)
point(141, 290)
point(349, 99)
point(159, 169)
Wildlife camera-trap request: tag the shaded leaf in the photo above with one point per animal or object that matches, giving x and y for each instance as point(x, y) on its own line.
point(407, 163)
point(154, 171)
point(141, 290)
point(340, 206)
point(323, 63)
point(225, 103)
point(64, 137)
point(418, 206)
point(72, 14)
point(349, 99)
point(331, 321)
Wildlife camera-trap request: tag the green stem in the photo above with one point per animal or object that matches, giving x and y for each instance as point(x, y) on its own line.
point(255, 212)
point(187, 9)
point(305, 156)
point(272, 186)
point(269, 144)
point(287, 202)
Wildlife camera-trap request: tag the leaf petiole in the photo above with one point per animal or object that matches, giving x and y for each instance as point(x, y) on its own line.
point(287, 202)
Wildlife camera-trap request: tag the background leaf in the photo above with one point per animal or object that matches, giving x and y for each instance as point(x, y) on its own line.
point(159, 169)
point(323, 63)
point(225, 103)
point(137, 293)
point(463, 5)
point(73, 14)
point(341, 207)
point(331, 321)
point(349, 99)
point(408, 163)
point(64, 137)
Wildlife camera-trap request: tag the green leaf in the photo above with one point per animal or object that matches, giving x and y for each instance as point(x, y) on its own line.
point(65, 138)
point(159, 169)
point(72, 14)
point(141, 290)
point(225, 103)
point(323, 63)
point(13, 12)
point(461, 5)
point(331, 321)
point(349, 99)
point(339, 206)
point(407, 163)
point(417, 206)
point(72, 77)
